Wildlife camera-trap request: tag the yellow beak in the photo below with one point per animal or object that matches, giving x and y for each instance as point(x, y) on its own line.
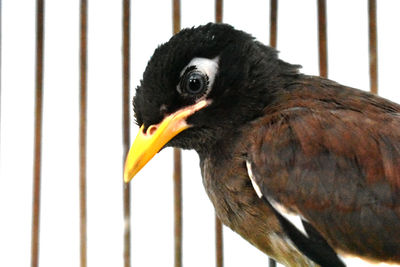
point(148, 143)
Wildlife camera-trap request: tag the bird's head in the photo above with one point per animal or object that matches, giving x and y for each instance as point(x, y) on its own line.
point(199, 86)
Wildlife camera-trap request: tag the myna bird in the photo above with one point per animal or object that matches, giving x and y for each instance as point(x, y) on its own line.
point(305, 169)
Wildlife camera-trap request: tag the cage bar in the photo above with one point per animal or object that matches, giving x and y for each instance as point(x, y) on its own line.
point(219, 253)
point(82, 132)
point(273, 28)
point(218, 10)
point(373, 54)
point(126, 129)
point(273, 22)
point(322, 44)
point(38, 133)
point(177, 176)
point(177, 171)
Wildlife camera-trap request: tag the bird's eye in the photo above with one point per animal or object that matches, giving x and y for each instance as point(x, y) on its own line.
point(194, 83)
point(196, 79)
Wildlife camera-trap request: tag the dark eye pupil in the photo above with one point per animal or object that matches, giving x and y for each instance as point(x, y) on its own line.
point(195, 83)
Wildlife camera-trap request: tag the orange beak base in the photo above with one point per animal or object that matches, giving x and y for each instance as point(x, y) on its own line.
point(147, 144)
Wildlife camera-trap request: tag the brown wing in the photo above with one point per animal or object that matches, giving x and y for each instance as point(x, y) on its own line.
point(333, 157)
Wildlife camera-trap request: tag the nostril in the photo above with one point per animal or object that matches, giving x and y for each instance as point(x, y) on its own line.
point(151, 130)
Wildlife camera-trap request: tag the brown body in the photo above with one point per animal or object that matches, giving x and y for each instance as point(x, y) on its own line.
point(332, 155)
point(238, 207)
point(327, 153)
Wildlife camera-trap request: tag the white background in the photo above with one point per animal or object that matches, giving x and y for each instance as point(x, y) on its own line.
point(152, 221)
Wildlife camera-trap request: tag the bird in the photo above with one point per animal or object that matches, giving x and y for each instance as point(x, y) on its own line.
point(305, 169)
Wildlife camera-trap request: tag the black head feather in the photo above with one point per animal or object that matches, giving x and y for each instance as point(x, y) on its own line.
point(249, 76)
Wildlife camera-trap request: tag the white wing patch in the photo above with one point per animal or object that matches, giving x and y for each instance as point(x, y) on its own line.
point(291, 217)
point(354, 261)
point(252, 179)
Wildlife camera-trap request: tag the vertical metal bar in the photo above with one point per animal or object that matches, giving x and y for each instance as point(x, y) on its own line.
point(176, 27)
point(126, 129)
point(178, 207)
point(218, 10)
point(82, 132)
point(177, 172)
point(38, 132)
point(323, 57)
point(273, 29)
point(273, 22)
point(271, 262)
point(219, 254)
point(373, 54)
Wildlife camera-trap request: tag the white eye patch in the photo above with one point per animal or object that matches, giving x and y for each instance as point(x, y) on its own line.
point(206, 66)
